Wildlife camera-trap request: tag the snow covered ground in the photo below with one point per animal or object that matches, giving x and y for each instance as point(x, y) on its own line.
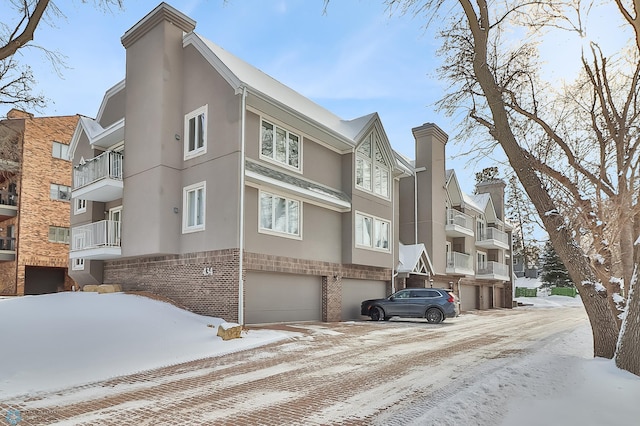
point(54, 341)
point(58, 340)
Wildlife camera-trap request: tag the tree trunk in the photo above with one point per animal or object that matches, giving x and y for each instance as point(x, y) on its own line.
point(603, 323)
point(628, 357)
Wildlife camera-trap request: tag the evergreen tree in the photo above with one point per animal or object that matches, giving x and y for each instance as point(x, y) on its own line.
point(554, 273)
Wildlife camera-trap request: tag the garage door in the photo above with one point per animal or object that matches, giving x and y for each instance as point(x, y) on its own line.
point(468, 297)
point(282, 298)
point(42, 280)
point(355, 291)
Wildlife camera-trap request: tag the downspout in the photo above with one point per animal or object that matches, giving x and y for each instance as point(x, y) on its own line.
point(243, 114)
point(393, 238)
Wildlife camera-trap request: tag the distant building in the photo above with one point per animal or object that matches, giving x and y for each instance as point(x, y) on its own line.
point(35, 195)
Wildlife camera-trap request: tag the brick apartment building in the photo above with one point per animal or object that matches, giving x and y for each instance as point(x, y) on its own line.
point(35, 181)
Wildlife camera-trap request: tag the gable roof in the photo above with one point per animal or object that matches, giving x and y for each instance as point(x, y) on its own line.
point(484, 202)
point(240, 74)
point(414, 259)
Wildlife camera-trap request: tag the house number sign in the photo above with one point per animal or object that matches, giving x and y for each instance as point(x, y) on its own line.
point(207, 271)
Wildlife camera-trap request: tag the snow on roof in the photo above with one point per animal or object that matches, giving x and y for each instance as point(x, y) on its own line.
point(471, 202)
point(409, 258)
point(240, 73)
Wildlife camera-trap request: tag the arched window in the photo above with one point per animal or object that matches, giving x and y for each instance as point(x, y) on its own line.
point(372, 169)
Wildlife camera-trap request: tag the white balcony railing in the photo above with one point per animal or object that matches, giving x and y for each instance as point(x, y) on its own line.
point(105, 233)
point(106, 165)
point(494, 234)
point(459, 263)
point(494, 270)
point(455, 217)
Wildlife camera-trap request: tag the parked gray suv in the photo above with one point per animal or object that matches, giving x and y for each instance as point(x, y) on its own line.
point(434, 304)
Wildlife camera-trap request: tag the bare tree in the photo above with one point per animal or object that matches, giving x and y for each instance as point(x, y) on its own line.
point(18, 31)
point(574, 148)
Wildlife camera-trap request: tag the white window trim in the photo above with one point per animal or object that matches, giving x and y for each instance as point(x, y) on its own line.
point(267, 231)
point(61, 157)
point(373, 165)
point(374, 219)
point(272, 160)
point(196, 228)
point(198, 151)
point(484, 254)
point(78, 202)
point(77, 264)
point(58, 198)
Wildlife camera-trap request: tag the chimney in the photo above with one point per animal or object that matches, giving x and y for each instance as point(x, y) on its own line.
point(16, 113)
point(495, 188)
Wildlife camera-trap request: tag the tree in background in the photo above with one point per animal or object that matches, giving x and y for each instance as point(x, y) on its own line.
point(554, 273)
point(524, 219)
point(20, 20)
point(574, 146)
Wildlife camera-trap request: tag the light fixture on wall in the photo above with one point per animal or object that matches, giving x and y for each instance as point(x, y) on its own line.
point(176, 210)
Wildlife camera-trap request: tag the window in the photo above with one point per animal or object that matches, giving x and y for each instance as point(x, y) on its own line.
point(480, 228)
point(60, 150)
point(279, 214)
point(60, 192)
point(286, 147)
point(80, 206)
point(77, 265)
point(58, 234)
point(372, 232)
point(482, 260)
point(193, 207)
point(372, 170)
point(195, 132)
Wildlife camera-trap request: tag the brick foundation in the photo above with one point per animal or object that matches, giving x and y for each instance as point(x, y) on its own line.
point(207, 282)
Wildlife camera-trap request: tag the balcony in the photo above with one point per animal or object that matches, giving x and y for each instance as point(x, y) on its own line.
point(458, 224)
point(7, 249)
point(99, 179)
point(459, 264)
point(493, 271)
point(97, 240)
point(493, 238)
point(8, 204)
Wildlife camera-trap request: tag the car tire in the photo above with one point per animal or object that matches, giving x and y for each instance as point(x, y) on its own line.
point(376, 314)
point(434, 316)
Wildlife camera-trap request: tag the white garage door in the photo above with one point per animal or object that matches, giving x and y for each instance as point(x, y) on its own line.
point(468, 297)
point(273, 297)
point(355, 291)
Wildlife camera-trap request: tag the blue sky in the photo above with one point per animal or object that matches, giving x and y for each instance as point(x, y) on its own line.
point(353, 60)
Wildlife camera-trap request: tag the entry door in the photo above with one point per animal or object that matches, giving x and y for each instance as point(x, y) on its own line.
point(115, 218)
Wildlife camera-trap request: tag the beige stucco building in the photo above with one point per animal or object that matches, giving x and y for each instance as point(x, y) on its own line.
point(207, 181)
point(35, 189)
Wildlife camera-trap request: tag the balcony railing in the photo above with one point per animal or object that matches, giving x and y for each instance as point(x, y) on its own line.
point(8, 198)
point(105, 233)
point(7, 243)
point(493, 270)
point(455, 217)
point(106, 165)
point(460, 263)
point(493, 238)
point(459, 224)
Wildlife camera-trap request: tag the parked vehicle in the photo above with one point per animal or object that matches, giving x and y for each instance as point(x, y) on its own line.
point(434, 304)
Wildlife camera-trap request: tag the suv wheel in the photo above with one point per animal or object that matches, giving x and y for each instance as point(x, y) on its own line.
point(376, 314)
point(434, 316)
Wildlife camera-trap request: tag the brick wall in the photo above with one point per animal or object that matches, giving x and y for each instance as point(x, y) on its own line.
point(36, 209)
point(207, 282)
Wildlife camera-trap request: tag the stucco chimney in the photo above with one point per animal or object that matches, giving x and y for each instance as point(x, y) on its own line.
point(495, 188)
